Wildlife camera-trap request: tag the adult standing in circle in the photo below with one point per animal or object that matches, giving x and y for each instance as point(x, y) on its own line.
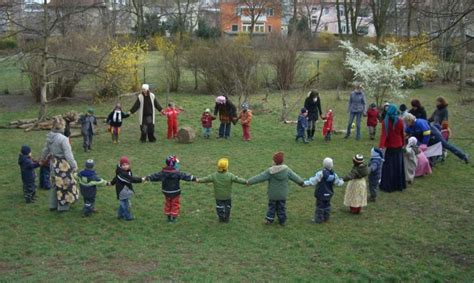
point(313, 104)
point(392, 140)
point(146, 104)
point(417, 110)
point(63, 165)
point(441, 112)
point(227, 115)
point(356, 108)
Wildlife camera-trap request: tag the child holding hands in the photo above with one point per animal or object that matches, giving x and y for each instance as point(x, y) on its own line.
point(170, 177)
point(324, 180)
point(222, 181)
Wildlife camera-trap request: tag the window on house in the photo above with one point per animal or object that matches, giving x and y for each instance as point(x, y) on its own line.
point(326, 10)
point(259, 28)
point(341, 12)
point(270, 12)
point(314, 22)
point(326, 28)
point(269, 28)
point(343, 28)
point(235, 28)
point(238, 11)
point(246, 27)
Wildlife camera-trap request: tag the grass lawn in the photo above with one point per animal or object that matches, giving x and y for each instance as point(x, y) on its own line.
point(423, 234)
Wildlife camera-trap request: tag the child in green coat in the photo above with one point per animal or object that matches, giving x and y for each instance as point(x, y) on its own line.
point(277, 177)
point(222, 180)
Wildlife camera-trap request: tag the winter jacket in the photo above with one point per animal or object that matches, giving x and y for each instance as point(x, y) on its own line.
point(421, 130)
point(146, 105)
point(439, 115)
point(324, 181)
point(246, 117)
point(124, 180)
point(27, 167)
point(172, 114)
point(57, 145)
point(419, 113)
point(116, 117)
point(277, 177)
point(88, 182)
point(302, 124)
point(357, 102)
point(375, 169)
point(357, 172)
point(169, 178)
point(313, 107)
point(372, 117)
point(227, 112)
point(206, 120)
point(328, 124)
point(222, 184)
point(394, 138)
point(88, 123)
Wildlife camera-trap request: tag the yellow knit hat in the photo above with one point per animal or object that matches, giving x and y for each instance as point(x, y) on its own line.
point(222, 165)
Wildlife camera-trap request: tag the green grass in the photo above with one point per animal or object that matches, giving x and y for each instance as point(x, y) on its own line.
point(423, 234)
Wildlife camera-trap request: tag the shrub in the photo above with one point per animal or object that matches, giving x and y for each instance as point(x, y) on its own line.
point(334, 74)
point(8, 43)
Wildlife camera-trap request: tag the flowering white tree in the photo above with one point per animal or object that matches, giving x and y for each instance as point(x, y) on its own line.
point(377, 70)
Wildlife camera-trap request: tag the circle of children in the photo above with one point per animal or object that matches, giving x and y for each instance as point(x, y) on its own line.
point(426, 138)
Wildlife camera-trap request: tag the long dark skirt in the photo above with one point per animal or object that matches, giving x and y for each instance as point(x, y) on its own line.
point(393, 171)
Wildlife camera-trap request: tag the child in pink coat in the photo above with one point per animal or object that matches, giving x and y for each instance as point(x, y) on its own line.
point(423, 165)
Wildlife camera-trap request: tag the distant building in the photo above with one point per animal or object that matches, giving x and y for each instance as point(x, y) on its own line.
point(235, 17)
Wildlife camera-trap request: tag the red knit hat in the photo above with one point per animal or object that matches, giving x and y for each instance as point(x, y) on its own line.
point(278, 158)
point(124, 160)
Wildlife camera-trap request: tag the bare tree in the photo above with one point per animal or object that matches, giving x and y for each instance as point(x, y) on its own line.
point(41, 25)
point(379, 13)
point(255, 9)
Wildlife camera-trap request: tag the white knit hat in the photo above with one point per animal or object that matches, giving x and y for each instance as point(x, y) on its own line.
point(145, 87)
point(328, 163)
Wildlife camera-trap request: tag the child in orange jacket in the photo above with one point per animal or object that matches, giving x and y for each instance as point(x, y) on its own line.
point(245, 117)
point(171, 113)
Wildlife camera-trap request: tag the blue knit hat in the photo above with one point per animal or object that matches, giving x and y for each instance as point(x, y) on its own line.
point(25, 150)
point(303, 110)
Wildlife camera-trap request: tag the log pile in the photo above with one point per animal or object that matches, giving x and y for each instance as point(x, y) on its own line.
point(35, 125)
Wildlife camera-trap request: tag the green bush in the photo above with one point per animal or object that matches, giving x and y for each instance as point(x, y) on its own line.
point(8, 43)
point(334, 73)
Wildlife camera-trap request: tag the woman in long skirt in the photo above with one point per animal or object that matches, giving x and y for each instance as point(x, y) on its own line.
point(392, 140)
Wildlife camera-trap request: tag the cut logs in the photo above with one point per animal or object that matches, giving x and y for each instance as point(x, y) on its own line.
point(35, 125)
point(186, 135)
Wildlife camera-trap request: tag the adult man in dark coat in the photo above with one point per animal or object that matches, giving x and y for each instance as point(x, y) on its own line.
point(145, 105)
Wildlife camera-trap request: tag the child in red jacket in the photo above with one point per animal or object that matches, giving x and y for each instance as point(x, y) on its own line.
point(328, 126)
point(372, 120)
point(171, 113)
point(245, 117)
point(206, 122)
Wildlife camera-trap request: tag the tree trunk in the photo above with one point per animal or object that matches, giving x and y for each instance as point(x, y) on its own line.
point(284, 109)
point(462, 67)
point(409, 18)
point(339, 28)
point(44, 65)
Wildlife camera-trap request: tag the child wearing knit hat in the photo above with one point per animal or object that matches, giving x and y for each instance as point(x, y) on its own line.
point(277, 176)
point(324, 181)
point(302, 125)
point(170, 177)
point(115, 120)
point(88, 183)
point(356, 191)
point(222, 181)
point(206, 122)
point(375, 169)
point(123, 182)
point(372, 120)
point(28, 175)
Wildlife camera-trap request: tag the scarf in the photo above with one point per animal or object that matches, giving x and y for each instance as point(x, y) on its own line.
point(392, 114)
point(117, 117)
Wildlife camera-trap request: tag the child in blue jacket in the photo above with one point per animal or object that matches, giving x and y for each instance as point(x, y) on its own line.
point(324, 181)
point(88, 182)
point(302, 125)
point(375, 169)
point(169, 178)
point(28, 175)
